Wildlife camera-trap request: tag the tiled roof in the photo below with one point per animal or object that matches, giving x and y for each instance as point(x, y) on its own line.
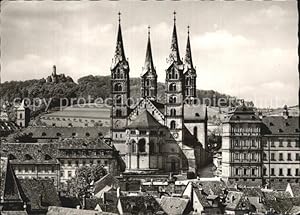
point(194, 112)
point(82, 111)
point(67, 132)
point(174, 205)
point(273, 195)
point(8, 126)
point(145, 120)
point(85, 143)
point(41, 193)
point(282, 205)
point(10, 189)
point(52, 210)
point(14, 213)
point(241, 113)
point(107, 180)
point(278, 125)
point(237, 201)
point(212, 187)
point(136, 204)
point(30, 152)
point(159, 106)
point(202, 198)
point(295, 187)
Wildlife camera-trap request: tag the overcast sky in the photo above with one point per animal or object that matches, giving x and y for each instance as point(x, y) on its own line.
point(245, 49)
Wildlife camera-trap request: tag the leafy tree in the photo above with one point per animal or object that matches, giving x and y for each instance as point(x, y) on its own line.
point(85, 175)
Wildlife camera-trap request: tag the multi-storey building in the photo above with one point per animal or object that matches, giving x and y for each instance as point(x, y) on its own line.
point(153, 136)
point(281, 148)
point(241, 146)
point(59, 160)
point(264, 149)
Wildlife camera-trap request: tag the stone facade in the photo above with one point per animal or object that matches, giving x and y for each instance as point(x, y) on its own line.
point(261, 149)
point(153, 136)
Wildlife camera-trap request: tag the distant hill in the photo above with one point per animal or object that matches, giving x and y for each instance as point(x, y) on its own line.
point(93, 86)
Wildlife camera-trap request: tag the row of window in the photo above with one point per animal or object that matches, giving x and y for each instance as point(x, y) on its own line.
point(281, 143)
point(281, 157)
point(84, 162)
point(87, 134)
point(33, 169)
point(84, 152)
point(237, 143)
point(281, 172)
point(246, 172)
point(246, 156)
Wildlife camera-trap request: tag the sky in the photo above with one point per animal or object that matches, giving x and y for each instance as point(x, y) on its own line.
point(246, 49)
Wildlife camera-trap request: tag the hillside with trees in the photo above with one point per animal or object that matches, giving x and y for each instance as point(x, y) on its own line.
point(93, 86)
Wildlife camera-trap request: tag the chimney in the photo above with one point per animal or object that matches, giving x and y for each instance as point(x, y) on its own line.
point(285, 112)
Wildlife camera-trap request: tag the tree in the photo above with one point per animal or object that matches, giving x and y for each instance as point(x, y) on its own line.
point(85, 176)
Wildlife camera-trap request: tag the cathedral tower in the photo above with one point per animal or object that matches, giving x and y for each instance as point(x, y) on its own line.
point(149, 76)
point(120, 92)
point(189, 74)
point(174, 91)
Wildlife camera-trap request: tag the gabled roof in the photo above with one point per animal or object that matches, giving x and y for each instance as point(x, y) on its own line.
point(107, 180)
point(136, 204)
point(52, 210)
point(174, 205)
point(145, 120)
point(237, 201)
point(10, 189)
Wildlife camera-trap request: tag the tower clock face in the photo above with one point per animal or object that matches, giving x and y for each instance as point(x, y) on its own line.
point(175, 135)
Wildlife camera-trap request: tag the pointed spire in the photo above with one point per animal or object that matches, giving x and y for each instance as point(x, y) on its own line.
point(188, 55)
point(174, 55)
point(149, 66)
point(119, 53)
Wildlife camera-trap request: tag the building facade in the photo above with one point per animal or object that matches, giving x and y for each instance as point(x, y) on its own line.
point(241, 146)
point(60, 159)
point(281, 148)
point(154, 136)
point(262, 149)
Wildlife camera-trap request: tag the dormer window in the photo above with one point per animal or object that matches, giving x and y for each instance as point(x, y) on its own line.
point(197, 114)
point(58, 134)
point(271, 124)
point(287, 124)
point(280, 130)
point(28, 157)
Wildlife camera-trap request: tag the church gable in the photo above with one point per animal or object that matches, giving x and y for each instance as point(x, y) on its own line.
point(146, 104)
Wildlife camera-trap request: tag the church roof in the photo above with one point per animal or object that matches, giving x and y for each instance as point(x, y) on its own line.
point(145, 120)
point(188, 61)
point(119, 53)
point(149, 66)
point(174, 55)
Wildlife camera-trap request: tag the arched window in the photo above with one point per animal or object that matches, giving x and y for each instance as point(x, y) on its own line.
point(44, 134)
point(58, 134)
point(151, 148)
point(11, 157)
point(119, 99)
point(117, 87)
point(147, 82)
point(173, 124)
point(28, 157)
point(172, 99)
point(172, 87)
point(48, 157)
point(133, 146)
point(195, 131)
point(173, 112)
point(188, 81)
point(142, 145)
point(21, 115)
point(87, 134)
point(118, 113)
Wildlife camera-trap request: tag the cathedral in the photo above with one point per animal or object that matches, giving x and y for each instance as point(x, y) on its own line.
point(156, 137)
